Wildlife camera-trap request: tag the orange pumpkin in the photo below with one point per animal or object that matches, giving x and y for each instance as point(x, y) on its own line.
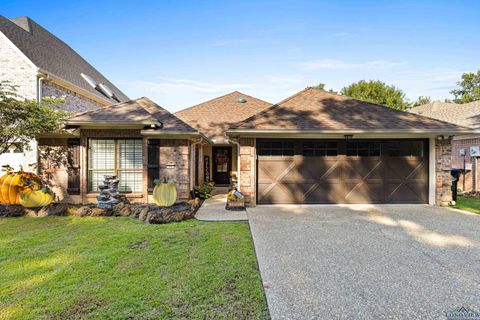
point(13, 183)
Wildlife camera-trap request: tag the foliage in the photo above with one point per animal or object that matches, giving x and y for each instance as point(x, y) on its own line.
point(120, 268)
point(421, 101)
point(22, 119)
point(470, 88)
point(204, 191)
point(321, 86)
point(376, 92)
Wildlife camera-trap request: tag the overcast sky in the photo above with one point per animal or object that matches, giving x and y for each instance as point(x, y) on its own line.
point(180, 53)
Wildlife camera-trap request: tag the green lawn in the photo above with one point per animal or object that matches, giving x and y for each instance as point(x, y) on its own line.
point(121, 268)
point(468, 203)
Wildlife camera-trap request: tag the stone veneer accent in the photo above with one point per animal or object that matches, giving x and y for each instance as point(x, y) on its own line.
point(247, 170)
point(443, 165)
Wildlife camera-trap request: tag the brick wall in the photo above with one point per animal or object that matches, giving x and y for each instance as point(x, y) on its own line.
point(176, 152)
point(73, 101)
point(443, 165)
point(247, 170)
point(457, 160)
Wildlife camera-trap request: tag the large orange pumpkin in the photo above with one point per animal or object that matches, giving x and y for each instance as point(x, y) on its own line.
point(12, 183)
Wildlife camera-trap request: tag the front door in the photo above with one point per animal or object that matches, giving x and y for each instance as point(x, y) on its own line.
point(222, 165)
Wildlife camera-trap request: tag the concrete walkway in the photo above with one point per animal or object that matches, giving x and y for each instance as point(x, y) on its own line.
point(367, 262)
point(213, 209)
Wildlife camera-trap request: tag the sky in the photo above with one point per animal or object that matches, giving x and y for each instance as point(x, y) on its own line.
point(181, 53)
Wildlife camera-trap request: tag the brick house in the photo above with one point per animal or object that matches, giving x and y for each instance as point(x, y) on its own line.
point(468, 115)
point(41, 65)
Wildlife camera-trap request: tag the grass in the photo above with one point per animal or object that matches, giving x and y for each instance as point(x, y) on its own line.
point(468, 203)
point(120, 268)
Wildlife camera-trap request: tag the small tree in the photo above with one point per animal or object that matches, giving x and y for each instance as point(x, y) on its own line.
point(321, 86)
point(421, 101)
point(21, 120)
point(470, 88)
point(376, 92)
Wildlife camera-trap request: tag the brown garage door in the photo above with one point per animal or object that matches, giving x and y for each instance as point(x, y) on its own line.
point(342, 171)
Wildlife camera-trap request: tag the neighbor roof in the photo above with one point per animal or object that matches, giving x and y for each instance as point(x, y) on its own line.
point(141, 111)
point(315, 110)
point(215, 116)
point(466, 114)
point(53, 56)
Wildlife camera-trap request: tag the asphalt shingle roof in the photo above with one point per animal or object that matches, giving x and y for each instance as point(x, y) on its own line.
point(52, 55)
point(467, 114)
point(317, 110)
point(137, 111)
point(215, 116)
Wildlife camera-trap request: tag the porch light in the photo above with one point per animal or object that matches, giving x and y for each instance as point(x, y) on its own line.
point(348, 136)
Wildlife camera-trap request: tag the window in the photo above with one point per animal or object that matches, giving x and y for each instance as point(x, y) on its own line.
point(276, 148)
point(363, 148)
point(320, 148)
point(405, 148)
point(122, 157)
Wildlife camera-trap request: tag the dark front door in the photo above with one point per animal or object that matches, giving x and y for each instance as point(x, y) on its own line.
point(222, 164)
point(340, 171)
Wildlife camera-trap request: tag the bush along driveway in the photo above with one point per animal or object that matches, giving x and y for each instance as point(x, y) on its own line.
point(367, 262)
point(121, 268)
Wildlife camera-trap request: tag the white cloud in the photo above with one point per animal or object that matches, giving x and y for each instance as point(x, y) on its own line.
point(226, 42)
point(340, 64)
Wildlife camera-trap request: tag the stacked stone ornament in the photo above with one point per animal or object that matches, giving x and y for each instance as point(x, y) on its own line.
point(109, 195)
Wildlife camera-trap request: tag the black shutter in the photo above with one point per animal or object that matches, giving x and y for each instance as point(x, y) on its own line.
point(153, 159)
point(73, 168)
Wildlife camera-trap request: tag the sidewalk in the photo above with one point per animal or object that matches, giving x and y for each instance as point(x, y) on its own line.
point(213, 209)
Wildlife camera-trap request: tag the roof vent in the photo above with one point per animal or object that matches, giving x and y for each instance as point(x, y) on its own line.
point(241, 100)
point(89, 80)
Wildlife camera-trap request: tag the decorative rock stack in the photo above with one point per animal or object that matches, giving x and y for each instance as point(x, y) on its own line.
point(109, 195)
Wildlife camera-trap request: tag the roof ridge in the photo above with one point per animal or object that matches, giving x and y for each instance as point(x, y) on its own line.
point(220, 97)
point(139, 101)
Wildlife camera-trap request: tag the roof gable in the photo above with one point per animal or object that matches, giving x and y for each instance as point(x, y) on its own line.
point(54, 56)
point(141, 111)
point(316, 110)
point(215, 116)
point(466, 114)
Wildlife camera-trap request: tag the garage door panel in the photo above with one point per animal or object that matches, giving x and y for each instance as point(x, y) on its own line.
point(352, 176)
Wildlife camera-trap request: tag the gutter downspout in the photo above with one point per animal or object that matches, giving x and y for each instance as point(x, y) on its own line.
point(238, 162)
point(192, 163)
point(35, 142)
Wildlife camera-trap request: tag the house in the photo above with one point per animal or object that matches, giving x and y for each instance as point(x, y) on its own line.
point(319, 147)
point(468, 115)
point(313, 147)
point(136, 140)
point(213, 118)
point(41, 65)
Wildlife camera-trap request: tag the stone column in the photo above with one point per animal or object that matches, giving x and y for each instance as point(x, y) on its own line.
point(247, 170)
point(443, 166)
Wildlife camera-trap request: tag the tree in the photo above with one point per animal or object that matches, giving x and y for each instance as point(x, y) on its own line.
point(421, 101)
point(470, 88)
point(22, 119)
point(376, 92)
point(321, 86)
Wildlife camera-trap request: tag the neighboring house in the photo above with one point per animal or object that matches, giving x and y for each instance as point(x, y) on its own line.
point(467, 115)
point(213, 118)
point(41, 65)
point(314, 147)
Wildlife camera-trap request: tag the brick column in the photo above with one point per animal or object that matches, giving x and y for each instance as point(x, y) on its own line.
point(247, 170)
point(443, 165)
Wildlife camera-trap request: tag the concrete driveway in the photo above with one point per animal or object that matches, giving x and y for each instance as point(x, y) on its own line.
point(367, 262)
